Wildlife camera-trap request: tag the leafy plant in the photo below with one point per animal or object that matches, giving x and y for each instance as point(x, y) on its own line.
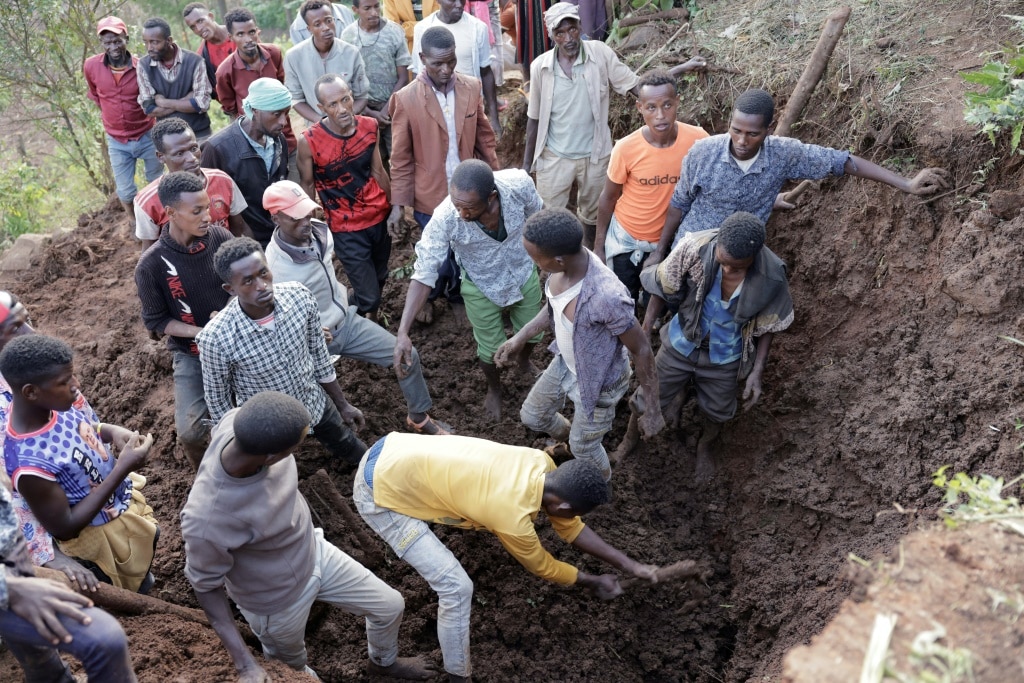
point(1000, 107)
point(935, 663)
point(979, 499)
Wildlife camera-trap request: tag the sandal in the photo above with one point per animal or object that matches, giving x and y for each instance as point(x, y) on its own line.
point(442, 428)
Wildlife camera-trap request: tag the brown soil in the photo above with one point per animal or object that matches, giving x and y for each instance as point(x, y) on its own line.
point(892, 369)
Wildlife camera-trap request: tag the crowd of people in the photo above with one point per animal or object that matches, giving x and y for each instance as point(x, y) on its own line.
point(400, 116)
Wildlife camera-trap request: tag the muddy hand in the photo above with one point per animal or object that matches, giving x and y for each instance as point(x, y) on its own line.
point(752, 391)
point(781, 203)
point(929, 181)
point(506, 353)
point(651, 422)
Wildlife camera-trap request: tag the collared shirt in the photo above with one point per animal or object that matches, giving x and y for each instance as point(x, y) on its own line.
point(303, 65)
point(472, 43)
point(604, 310)
point(266, 150)
point(446, 100)
point(474, 484)
point(383, 52)
point(717, 325)
point(123, 118)
point(712, 186)
point(242, 358)
point(498, 269)
point(571, 131)
point(601, 69)
point(202, 89)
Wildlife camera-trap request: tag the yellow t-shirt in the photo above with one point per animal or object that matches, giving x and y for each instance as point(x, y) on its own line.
point(648, 175)
point(474, 484)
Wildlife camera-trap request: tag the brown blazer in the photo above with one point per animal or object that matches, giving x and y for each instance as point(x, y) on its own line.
point(419, 141)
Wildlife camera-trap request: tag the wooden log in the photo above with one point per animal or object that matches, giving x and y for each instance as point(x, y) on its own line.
point(830, 34)
point(121, 601)
point(677, 14)
point(373, 557)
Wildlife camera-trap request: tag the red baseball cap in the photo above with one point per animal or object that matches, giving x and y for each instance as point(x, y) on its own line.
point(112, 24)
point(289, 198)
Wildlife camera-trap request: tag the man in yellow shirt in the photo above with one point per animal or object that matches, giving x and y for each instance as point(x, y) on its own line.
point(407, 480)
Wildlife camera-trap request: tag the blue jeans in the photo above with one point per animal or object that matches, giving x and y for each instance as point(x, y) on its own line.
point(413, 541)
point(368, 342)
point(547, 397)
point(101, 646)
point(124, 157)
point(449, 275)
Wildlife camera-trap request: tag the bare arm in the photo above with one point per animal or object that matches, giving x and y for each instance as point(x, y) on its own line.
point(927, 181)
point(490, 99)
point(50, 504)
point(752, 389)
point(414, 300)
point(238, 226)
point(176, 328)
point(218, 613)
point(304, 162)
point(673, 217)
point(634, 339)
point(307, 112)
point(605, 208)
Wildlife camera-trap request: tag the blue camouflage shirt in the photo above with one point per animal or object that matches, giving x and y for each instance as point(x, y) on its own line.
point(712, 186)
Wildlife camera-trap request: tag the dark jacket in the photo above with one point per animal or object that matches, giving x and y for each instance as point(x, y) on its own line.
point(230, 151)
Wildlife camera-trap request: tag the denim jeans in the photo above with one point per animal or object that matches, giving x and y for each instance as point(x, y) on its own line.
point(190, 411)
point(124, 157)
point(547, 397)
point(366, 341)
point(341, 581)
point(101, 646)
point(413, 541)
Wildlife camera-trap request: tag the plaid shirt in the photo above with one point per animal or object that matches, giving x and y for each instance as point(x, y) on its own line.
point(499, 269)
point(202, 89)
point(241, 358)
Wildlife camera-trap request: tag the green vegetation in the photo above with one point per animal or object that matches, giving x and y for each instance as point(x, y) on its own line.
point(1000, 107)
point(979, 499)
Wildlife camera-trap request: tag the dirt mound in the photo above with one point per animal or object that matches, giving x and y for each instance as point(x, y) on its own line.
point(892, 369)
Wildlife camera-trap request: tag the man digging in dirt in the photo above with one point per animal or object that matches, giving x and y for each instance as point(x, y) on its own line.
point(300, 251)
point(180, 291)
point(57, 458)
point(268, 338)
point(744, 169)
point(176, 148)
point(482, 222)
point(248, 530)
point(733, 297)
point(406, 480)
point(591, 314)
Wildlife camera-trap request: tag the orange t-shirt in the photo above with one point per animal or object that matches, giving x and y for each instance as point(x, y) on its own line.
point(648, 175)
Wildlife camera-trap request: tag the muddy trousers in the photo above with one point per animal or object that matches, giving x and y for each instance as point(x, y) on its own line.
point(341, 581)
point(547, 397)
point(413, 541)
point(101, 646)
point(715, 385)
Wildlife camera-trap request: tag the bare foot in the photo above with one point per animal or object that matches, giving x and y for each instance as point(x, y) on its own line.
point(492, 404)
point(705, 455)
point(426, 314)
point(409, 668)
point(629, 441)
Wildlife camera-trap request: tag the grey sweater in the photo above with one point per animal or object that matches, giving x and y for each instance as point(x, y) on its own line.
point(253, 535)
point(303, 66)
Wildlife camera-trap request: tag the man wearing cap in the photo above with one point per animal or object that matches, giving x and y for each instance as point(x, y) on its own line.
point(112, 78)
point(172, 80)
point(323, 53)
point(253, 150)
point(567, 134)
point(216, 46)
point(300, 251)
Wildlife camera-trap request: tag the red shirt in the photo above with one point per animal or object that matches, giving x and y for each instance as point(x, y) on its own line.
point(234, 79)
point(351, 197)
point(218, 53)
point(123, 118)
point(219, 186)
